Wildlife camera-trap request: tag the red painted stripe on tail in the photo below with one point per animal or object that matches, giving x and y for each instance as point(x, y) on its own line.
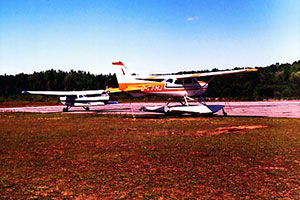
point(118, 63)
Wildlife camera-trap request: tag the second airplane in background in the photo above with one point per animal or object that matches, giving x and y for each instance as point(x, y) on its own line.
point(85, 99)
point(182, 88)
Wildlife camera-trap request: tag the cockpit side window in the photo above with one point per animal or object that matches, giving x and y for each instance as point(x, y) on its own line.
point(188, 81)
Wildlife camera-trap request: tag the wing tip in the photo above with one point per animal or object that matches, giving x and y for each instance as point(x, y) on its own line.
point(25, 92)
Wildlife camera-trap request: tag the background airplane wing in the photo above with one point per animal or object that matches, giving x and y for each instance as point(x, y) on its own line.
point(65, 93)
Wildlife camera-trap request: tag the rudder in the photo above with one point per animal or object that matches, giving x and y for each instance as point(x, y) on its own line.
point(124, 77)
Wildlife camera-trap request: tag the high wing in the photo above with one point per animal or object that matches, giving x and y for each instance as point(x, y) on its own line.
point(198, 74)
point(65, 93)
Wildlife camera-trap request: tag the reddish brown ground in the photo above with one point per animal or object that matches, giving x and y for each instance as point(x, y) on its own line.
point(10, 104)
point(57, 156)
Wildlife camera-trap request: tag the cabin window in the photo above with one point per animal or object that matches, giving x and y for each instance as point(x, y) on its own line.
point(178, 81)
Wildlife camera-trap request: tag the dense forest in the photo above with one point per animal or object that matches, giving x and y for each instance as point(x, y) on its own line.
point(277, 81)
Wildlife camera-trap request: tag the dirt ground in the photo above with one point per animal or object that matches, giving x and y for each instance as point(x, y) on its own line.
point(290, 109)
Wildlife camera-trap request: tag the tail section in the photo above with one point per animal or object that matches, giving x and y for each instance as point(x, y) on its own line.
point(124, 77)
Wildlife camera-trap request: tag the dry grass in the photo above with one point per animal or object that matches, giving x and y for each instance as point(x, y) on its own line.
point(60, 156)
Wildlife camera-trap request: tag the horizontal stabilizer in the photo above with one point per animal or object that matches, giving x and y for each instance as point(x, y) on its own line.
point(133, 88)
point(113, 90)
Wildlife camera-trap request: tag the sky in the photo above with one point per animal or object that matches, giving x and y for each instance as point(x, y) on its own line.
point(148, 36)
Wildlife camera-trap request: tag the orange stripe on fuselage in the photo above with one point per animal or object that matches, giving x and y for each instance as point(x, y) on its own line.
point(137, 86)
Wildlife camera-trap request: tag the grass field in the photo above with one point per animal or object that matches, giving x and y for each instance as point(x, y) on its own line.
point(56, 156)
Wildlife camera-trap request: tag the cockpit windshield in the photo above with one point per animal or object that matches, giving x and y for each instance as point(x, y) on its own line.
point(169, 81)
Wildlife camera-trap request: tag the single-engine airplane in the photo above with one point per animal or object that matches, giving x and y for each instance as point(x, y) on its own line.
point(182, 88)
point(84, 99)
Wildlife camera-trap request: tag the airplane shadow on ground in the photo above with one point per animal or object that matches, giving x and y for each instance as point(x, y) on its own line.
point(127, 113)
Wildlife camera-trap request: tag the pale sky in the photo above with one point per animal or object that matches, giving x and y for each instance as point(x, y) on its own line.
point(148, 36)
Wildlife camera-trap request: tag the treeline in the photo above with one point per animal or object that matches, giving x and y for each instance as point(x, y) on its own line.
point(54, 80)
point(278, 81)
point(274, 81)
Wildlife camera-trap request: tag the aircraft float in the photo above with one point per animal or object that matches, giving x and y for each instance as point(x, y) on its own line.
point(84, 99)
point(181, 88)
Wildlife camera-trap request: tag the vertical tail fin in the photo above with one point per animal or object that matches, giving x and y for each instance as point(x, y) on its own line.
point(123, 75)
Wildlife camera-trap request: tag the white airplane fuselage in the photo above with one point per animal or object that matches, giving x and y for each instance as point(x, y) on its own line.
point(171, 88)
point(84, 101)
